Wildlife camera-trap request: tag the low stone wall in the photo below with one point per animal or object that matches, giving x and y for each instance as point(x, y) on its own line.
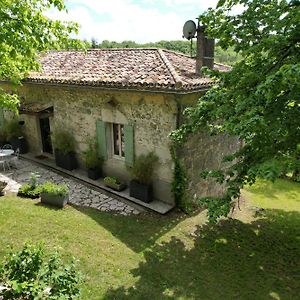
point(204, 152)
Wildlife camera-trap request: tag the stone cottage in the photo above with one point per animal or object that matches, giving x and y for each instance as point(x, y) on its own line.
point(130, 100)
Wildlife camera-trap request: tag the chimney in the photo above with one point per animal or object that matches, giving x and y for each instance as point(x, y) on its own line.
point(205, 50)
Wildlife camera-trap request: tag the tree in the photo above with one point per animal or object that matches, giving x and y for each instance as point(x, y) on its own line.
point(24, 33)
point(258, 101)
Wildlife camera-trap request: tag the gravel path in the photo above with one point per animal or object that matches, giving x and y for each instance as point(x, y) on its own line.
point(79, 194)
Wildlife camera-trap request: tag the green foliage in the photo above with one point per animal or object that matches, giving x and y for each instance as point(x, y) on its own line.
point(179, 183)
point(12, 129)
point(143, 167)
point(92, 160)
point(63, 140)
point(54, 189)
point(111, 179)
point(228, 56)
point(30, 274)
point(31, 190)
point(25, 32)
point(3, 135)
point(258, 101)
point(27, 190)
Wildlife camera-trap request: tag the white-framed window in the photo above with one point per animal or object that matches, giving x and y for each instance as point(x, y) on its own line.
point(118, 140)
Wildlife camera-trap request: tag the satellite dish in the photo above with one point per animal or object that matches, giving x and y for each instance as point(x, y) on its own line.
point(189, 29)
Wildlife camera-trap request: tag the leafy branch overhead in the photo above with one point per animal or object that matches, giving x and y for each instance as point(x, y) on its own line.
point(26, 32)
point(258, 101)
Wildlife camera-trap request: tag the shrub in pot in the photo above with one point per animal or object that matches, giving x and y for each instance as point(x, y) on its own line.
point(64, 146)
point(31, 190)
point(15, 136)
point(114, 183)
point(54, 194)
point(142, 171)
point(92, 161)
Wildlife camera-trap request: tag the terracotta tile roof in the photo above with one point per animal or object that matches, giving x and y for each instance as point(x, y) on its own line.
point(147, 69)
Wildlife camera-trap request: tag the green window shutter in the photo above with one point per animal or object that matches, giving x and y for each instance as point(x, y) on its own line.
point(129, 145)
point(1, 117)
point(101, 138)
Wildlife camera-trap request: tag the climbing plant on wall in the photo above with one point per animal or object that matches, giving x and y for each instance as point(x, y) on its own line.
point(258, 101)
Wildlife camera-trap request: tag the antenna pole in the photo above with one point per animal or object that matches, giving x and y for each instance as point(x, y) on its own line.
point(191, 48)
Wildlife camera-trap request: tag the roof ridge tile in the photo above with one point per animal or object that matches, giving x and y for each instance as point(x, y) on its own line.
point(170, 67)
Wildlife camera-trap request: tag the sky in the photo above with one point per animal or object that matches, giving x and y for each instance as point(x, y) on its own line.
point(137, 20)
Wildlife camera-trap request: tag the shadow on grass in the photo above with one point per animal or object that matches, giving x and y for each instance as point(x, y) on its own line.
point(136, 232)
point(232, 260)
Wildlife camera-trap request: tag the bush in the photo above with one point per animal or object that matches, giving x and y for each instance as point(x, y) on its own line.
point(31, 190)
point(31, 274)
point(12, 129)
point(54, 189)
point(28, 191)
point(111, 179)
point(143, 167)
point(92, 160)
point(63, 140)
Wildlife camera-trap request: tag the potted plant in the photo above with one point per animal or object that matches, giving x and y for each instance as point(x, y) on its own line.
point(3, 184)
point(142, 170)
point(114, 183)
point(15, 136)
point(54, 194)
point(92, 161)
point(31, 190)
point(64, 145)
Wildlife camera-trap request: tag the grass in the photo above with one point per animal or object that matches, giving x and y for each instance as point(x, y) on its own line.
point(174, 256)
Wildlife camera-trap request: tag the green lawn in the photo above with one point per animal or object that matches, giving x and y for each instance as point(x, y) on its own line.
point(174, 256)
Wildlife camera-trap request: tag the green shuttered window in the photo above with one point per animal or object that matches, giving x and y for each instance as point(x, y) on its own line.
point(121, 136)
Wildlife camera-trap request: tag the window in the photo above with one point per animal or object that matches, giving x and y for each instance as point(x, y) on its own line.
point(118, 140)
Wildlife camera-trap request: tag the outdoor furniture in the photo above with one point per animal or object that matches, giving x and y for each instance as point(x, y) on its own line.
point(14, 157)
point(5, 156)
point(6, 147)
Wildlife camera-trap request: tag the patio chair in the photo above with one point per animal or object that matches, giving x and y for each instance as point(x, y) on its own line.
point(4, 162)
point(14, 158)
point(7, 147)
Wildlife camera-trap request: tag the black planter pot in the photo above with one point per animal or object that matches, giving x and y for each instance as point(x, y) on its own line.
point(141, 191)
point(19, 143)
point(66, 161)
point(94, 173)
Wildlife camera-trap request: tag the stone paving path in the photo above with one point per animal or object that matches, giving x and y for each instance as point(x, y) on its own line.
point(79, 194)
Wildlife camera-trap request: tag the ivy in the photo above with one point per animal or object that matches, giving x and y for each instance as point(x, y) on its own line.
point(257, 101)
point(180, 183)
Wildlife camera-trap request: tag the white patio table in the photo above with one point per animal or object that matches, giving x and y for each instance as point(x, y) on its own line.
point(6, 152)
point(5, 156)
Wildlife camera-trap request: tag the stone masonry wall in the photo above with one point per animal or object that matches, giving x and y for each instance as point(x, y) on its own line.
point(153, 117)
point(204, 152)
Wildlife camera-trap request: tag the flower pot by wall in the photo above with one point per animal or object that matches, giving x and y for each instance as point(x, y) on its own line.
point(94, 173)
point(54, 200)
point(116, 186)
point(66, 161)
point(141, 191)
